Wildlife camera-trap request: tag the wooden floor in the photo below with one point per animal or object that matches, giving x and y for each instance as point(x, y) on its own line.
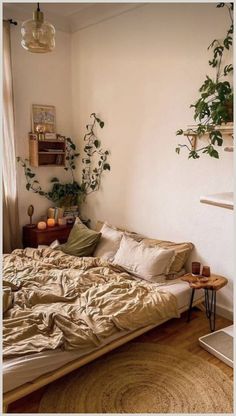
point(175, 332)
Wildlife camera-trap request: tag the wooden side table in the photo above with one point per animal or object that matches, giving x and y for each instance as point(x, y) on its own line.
point(32, 237)
point(210, 285)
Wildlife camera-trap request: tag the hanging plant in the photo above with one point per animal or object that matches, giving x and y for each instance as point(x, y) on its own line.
point(73, 193)
point(215, 104)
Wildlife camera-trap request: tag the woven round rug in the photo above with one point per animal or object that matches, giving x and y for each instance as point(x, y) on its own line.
point(142, 378)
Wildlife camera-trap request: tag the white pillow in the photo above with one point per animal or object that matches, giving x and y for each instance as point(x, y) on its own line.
point(108, 243)
point(149, 263)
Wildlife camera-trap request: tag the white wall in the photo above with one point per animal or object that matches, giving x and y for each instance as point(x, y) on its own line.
point(140, 71)
point(40, 79)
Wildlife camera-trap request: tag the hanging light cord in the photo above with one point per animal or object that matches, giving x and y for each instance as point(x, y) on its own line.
point(38, 9)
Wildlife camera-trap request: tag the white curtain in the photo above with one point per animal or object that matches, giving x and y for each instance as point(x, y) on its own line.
point(11, 229)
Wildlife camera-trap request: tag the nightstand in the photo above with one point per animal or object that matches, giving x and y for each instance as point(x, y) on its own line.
point(32, 237)
point(210, 285)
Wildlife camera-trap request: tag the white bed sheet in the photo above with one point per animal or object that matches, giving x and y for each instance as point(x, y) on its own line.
point(20, 370)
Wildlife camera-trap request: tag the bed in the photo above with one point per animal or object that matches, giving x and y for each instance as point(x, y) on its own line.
point(81, 289)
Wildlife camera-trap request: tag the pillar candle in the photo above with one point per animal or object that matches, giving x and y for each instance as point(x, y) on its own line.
point(42, 225)
point(51, 222)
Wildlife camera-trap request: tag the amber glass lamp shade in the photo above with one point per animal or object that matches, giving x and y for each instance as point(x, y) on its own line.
point(38, 36)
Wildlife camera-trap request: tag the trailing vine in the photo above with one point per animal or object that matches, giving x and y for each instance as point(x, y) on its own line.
point(91, 176)
point(215, 105)
point(73, 193)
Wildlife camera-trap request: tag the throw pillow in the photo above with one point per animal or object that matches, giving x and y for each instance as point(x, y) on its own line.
point(149, 263)
point(81, 242)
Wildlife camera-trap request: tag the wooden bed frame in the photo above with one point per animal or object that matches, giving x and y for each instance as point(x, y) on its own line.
point(27, 388)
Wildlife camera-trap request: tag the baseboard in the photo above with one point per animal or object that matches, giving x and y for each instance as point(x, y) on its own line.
point(225, 312)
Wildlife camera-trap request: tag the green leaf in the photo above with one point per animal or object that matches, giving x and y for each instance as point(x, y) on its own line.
point(106, 166)
point(30, 175)
point(179, 132)
point(214, 154)
point(27, 186)
point(96, 143)
point(102, 124)
point(216, 137)
point(193, 154)
point(177, 150)
point(54, 180)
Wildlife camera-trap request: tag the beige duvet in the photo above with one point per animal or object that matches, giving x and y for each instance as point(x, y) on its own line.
point(53, 300)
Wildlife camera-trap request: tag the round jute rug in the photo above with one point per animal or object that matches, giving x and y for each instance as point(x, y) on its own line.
point(142, 378)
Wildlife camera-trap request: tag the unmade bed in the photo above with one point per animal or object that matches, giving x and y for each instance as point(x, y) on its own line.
point(24, 373)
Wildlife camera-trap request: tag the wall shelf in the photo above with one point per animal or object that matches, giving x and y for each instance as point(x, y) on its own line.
point(46, 152)
point(226, 130)
point(223, 200)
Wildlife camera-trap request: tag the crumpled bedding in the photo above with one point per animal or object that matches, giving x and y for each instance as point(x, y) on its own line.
point(55, 300)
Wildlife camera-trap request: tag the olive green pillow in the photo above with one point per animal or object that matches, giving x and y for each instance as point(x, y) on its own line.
point(81, 242)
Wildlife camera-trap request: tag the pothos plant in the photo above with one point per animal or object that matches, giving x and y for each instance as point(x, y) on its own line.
point(93, 165)
point(215, 104)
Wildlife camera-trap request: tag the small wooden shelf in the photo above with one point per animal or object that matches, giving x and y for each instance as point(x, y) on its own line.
point(46, 152)
point(226, 130)
point(223, 200)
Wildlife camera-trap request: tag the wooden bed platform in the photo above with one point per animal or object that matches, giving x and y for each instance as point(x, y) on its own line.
point(47, 378)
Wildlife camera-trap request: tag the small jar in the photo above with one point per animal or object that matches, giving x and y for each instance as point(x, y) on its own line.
point(206, 271)
point(196, 267)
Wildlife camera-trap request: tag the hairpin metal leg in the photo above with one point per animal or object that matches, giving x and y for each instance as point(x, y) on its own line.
point(210, 305)
point(190, 305)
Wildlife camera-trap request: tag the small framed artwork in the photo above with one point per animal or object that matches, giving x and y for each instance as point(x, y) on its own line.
point(43, 118)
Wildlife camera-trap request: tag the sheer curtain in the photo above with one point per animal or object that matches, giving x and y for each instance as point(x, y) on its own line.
point(11, 229)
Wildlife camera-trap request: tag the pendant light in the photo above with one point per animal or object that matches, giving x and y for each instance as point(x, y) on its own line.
point(38, 36)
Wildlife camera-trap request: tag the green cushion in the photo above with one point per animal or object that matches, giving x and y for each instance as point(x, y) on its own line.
point(81, 241)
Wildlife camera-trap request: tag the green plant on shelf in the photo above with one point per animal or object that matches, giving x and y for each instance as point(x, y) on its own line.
point(94, 163)
point(215, 104)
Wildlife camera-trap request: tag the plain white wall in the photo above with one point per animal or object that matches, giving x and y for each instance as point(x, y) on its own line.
point(40, 79)
point(140, 71)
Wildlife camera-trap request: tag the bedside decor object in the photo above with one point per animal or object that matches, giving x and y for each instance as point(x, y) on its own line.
point(214, 107)
point(206, 271)
point(51, 222)
point(38, 36)
point(94, 163)
point(44, 118)
point(210, 285)
point(30, 212)
point(42, 225)
point(62, 221)
point(196, 267)
point(55, 213)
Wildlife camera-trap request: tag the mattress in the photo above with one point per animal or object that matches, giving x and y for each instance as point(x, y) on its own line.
point(21, 370)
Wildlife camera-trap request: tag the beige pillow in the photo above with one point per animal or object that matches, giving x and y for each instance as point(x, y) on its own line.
point(149, 263)
point(136, 236)
point(109, 243)
point(182, 252)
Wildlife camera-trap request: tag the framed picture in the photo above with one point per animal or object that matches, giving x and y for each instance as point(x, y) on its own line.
point(43, 118)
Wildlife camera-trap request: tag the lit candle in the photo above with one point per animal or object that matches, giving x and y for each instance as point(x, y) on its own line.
point(51, 222)
point(42, 225)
